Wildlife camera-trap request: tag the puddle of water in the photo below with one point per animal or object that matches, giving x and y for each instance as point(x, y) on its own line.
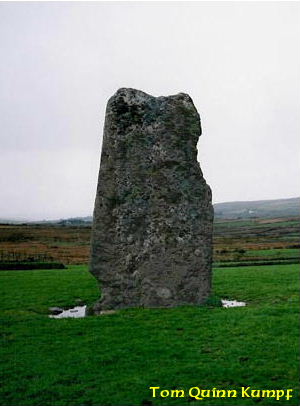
point(80, 311)
point(232, 303)
point(75, 312)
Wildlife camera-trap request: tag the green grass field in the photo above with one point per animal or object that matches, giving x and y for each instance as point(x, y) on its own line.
point(114, 359)
point(282, 253)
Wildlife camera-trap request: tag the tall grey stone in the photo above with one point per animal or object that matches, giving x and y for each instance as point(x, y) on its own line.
point(152, 227)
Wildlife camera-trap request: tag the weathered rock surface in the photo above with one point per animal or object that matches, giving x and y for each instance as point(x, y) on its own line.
point(152, 228)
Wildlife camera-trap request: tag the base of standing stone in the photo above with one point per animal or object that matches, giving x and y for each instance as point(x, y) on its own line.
point(157, 297)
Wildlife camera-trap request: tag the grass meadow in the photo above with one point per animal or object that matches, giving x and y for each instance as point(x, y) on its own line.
point(114, 359)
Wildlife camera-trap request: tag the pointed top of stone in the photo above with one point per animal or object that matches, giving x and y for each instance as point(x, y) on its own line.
point(131, 94)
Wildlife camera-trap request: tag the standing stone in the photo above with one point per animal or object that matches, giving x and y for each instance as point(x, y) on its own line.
point(152, 228)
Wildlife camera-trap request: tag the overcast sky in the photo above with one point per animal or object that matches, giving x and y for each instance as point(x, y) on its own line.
point(60, 62)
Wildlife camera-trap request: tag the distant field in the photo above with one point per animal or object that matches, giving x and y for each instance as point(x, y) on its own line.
point(113, 359)
point(257, 239)
point(71, 244)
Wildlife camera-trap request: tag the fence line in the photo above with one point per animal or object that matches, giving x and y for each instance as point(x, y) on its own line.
point(17, 256)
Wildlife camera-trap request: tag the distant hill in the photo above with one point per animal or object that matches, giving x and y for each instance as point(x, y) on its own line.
point(71, 221)
point(13, 220)
point(232, 210)
point(258, 208)
point(76, 221)
point(228, 210)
